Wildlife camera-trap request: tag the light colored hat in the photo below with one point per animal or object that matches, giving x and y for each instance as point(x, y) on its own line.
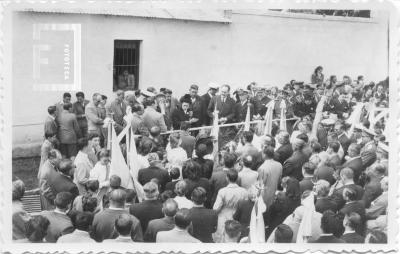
point(147, 93)
point(213, 85)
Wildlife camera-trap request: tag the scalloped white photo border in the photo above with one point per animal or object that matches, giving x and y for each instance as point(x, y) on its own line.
point(6, 7)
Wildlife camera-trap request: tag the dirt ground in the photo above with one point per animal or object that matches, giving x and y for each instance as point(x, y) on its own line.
point(26, 169)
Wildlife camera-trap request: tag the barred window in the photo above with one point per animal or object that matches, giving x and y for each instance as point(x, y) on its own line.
point(126, 65)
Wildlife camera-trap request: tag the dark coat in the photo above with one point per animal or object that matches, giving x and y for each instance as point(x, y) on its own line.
point(325, 204)
point(206, 167)
point(187, 143)
point(243, 215)
point(344, 142)
point(372, 190)
point(146, 174)
point(226, 109)
point(357, 166)
point(279, 210)
point(337, 195)
point(197, 107)
point(79, 110)
point(306, 184)
point(178, 116)
point(241, 111)
point(204, 222)
point(293, 165)
point(260, 105)
point(62, 183)
point(68, 128)
point(171, 186)
point(146, 211)
point(283, 153)
point(352, 238)
point(326, 173)
point(207, 120)
point(103, 225)
point(356, 207)
point(328, 239)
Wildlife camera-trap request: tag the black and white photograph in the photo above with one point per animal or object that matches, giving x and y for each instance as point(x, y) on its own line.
point(197, 127)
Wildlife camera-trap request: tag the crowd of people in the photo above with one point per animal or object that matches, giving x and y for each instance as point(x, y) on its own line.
point(323, 177)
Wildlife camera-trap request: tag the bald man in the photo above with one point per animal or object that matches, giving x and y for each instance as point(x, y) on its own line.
point(104, 221)
point(170, 207)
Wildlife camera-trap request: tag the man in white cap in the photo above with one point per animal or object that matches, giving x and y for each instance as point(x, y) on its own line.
point(212, 90)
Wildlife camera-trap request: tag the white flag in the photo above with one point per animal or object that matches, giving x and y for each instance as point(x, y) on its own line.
point(247, 120)
point(118, 165)
point(305, 228)
point(268, 118)
point(133, 164)
point(257, 226)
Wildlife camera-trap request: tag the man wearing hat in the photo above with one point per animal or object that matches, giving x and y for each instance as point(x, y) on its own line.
point(212, 90)
point(242, 105)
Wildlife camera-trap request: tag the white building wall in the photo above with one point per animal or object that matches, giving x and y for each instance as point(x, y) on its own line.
point(175, 53)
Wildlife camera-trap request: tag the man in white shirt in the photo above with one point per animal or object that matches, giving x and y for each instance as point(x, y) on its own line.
point(247, 176)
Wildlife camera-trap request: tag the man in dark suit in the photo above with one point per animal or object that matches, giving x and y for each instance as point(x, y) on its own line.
point(352, 222)
point(293, 165)
point(225, 106)
point(352, 204)
point(78, 108)
point(333, 149)
point(346, 179)
point(285, 149)
point(60, 223)
point(323, 202)
point(213, 88)
point(329, 226)
point(354, 162)
point(50, 125)
point(242, 105)
point(103, 225)
point(150, 208)
point(117, 111)
point(373, 189)
point(154, 171)
point(61, 181)
point(308, 174)
point(243, 212)
point(187, 141)
point(170, 207)
point(204, 221)
point(68, 132)
point(344, 140)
